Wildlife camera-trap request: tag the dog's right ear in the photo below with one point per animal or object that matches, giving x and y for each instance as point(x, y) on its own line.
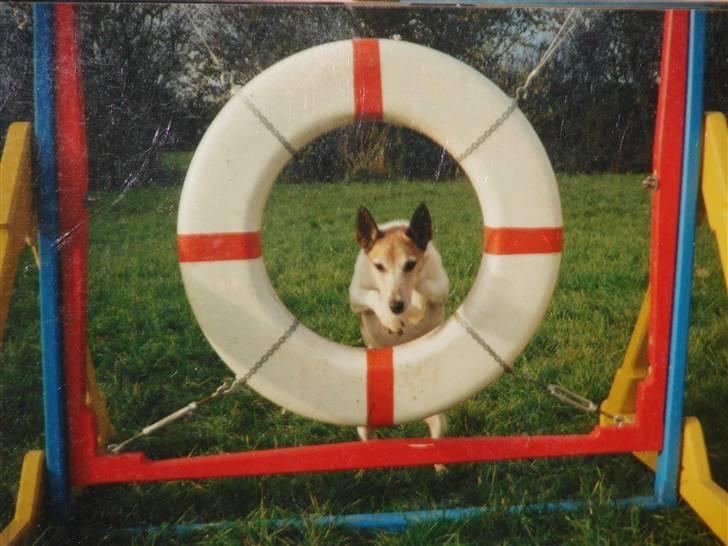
point(367, 231)
point(420, 228)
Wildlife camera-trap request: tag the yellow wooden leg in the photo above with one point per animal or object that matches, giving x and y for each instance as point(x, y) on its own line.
point(30, 496)
point(96, 400)
point(715, 182)
point(707, 498)
point(621, 399)
point(17, 222)
point(697, 488)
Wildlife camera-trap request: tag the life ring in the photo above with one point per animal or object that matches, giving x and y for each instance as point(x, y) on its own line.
point(244, 150)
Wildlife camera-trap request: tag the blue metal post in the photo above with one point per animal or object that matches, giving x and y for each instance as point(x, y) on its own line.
point(50, 300)
point(668, 465)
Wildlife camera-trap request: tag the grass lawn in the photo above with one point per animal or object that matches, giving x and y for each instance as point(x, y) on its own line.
point(151, 359)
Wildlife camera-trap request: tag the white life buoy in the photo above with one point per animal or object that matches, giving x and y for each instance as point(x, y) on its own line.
point(246, 147)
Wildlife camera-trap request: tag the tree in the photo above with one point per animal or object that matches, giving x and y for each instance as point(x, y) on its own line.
point(231, 44)
point(131, 55)
point(594, 107)
point(156, 75)
point(716, 69)
point(16, 66)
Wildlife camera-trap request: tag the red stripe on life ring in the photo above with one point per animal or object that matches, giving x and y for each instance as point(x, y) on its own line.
point(368, 103)
point(380, 387)
point(216, 247)
point(517, 240)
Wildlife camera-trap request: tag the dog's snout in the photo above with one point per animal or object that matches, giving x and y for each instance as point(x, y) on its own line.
point(397, 306)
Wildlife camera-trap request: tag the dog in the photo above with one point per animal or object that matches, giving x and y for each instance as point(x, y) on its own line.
point(399, 287)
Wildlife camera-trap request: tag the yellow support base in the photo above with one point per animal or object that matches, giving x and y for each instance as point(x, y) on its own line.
point(17, 222)
point(30, 498)
point(715, 182)
point(96, 400)
point(621, 398)
point(697, 488)
point(18, 228)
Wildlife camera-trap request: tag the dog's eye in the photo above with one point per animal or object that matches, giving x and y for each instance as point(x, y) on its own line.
point(409, 265)
point(379, 267)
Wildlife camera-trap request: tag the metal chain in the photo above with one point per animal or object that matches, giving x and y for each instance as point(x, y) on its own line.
point(489, 131)
point(522, 91)
point(240, 381)
point(557, 391)
point(269, 125)
point(228, 386)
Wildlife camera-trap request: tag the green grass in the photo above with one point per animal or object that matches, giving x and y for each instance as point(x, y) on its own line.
point(151, 359)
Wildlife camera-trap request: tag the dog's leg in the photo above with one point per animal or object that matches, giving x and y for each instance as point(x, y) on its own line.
point(433, 283)
point(438, 427)
point(367, 433)
point(417, 308)
point(437, 424)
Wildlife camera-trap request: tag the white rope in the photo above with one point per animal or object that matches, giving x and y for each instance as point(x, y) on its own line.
point(189, 409)
point(226, 77)
point(566, 28)
point(201, 36)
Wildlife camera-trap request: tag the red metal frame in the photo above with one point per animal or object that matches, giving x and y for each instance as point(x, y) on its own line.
point(72, 165)
point(667, 159)
point(645, 434)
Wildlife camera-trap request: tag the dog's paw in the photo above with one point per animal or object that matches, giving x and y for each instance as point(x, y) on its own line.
point(394, 326)
point(399, 329)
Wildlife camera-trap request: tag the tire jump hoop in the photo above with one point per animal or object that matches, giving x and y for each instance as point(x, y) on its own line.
point(257, 133)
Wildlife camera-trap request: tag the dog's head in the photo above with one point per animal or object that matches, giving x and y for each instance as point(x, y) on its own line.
point(396, 254)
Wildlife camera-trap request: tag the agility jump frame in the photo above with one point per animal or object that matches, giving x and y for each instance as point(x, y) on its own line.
point(73, 457)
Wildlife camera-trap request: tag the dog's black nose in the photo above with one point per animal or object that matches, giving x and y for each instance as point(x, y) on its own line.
point(397, 307)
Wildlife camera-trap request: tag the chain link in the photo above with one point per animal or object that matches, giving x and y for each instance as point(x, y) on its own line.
point(489, 131)
point(269, 125)
point(557, 391)
point(480, 341)
point(240, 381)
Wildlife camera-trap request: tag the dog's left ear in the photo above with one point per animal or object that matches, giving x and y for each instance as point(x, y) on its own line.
point(420, 227)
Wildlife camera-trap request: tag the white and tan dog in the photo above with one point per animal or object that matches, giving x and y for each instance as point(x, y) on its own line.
point(399, 287)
